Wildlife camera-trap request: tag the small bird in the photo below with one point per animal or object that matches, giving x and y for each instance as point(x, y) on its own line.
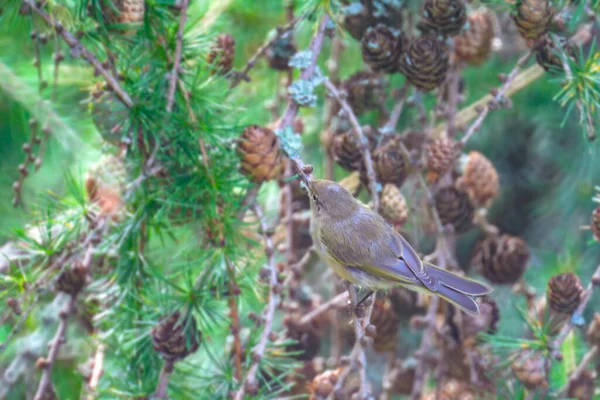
point(365, 250)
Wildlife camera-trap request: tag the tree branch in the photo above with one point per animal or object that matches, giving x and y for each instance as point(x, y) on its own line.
point(235, 321)
point(359, 350)
point(173, 77)
point(336, 301)
point(77, 47)
point(163, 380)
point(259, 350)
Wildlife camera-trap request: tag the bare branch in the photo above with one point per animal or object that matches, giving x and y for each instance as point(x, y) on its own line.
point(173, 77)
point(163, 380)
point(339, 300)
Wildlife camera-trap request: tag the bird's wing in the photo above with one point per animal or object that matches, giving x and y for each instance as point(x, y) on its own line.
point(378, 252)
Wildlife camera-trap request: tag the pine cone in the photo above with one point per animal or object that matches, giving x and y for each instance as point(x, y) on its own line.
point(425, 63)
point(105, 184)
point(501, 259)
point(454, 208)
point(443, 17)
point(583, 387)
point(389, 163)
point(596, 223)
point(529, 369)
point(473, 45)
point(486, 321)
point(547, 54)
point(72, 280)
point(260, 153)
point(393, 205)
point(346, 152)
point(301, 378)
point(593, 332)
point(382, 48)
point(280, 52)
point(533, 18)
point(386, 324)
point(364, 14)
point(170, 340)
point(323, 384)
point(564, 293)
point(480, 179)
point(364, 91)
point(222, 53)
point(122, 11)
point(308, 340)
point(453, 389)
point(441, 155)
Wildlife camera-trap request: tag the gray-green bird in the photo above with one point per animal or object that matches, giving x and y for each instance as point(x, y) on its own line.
point(364, 249)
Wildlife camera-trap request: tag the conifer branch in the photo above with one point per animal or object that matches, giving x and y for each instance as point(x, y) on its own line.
point(585, 361)
point(360, 139)
point(242, 75)
point(259, 349)
point(235, 321)
point(173, 76)
point(334, 302)
point(78, 48)
point(59, 338)
point(163, 380)
point(359, 353)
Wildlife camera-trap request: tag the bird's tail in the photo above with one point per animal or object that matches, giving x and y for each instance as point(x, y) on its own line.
point(453, 288)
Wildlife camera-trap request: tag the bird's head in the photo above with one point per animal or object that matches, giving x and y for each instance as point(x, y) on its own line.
point(328, 198)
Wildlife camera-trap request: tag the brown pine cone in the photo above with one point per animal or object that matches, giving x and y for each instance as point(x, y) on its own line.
point(122, 11)
point(425, 63)
point(346, 152)
point(596, 223)
point(361, 15)
point(301, 378)
point(443, 17)
point(323, 384)
point(260, 153)
point(389, 163)
point(583, 387)
point(547, 54)
point(364, 91)
point(593, 332)
point(480, 180)
point(453, 389)
point(72, 280)
point(382, 48)
point(280, 52)
point(529, 369)
point(501, 259)
point(564, 293)
point(533, 18)
point(222, 53)
point(486, 321)
point(454, 208)
point(170, 339)
point(386, 324)
point(393, 205)
point(440, 157)
point(474, 44)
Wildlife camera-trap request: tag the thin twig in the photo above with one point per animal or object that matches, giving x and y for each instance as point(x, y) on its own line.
point(259, 349)
point(235, 321)
point(587, 358)
point(390, 125)
point(498, 97)
point(97, 371)
point(78, 48)
point(337, 301)
point(163, 380)
point(359, 332)
point(173, 77)
point(59, 339)
point(243, 74)
point(360, 138)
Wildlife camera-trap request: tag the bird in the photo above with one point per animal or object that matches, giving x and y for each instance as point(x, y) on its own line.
point(362, 248)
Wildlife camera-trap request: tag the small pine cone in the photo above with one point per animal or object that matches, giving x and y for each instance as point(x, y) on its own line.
point(123, 11)
point(529, 369)
point(389, 163)
point(480, 179)
point(564, 293)
point(357, 19)
point(301, 378)
point(346, 152)
point(382, 48)
point(323, 384)
point(393, 205)
point(170, 340)
point(401, 378)
point(501, 259)
point(441, 155)
point(386, 324)
point(474, 44)
point(443, 17)
point(596, 223)
point(547, 54)
point(364, 90)
point(308, 340)
point(105, 184)
point(486, 321)
point(72, 280)
point(260, 153)
point(454, 208)
point(222, 53)
point(583, 387)
point(533, 18)
point(593, 332)
point(454, 389)
point(425, 63)
point(281, 51)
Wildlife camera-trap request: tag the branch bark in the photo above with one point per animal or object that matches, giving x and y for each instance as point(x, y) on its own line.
point(173, 77)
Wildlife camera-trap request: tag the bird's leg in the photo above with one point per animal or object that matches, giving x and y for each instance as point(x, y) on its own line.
point(365, 298)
